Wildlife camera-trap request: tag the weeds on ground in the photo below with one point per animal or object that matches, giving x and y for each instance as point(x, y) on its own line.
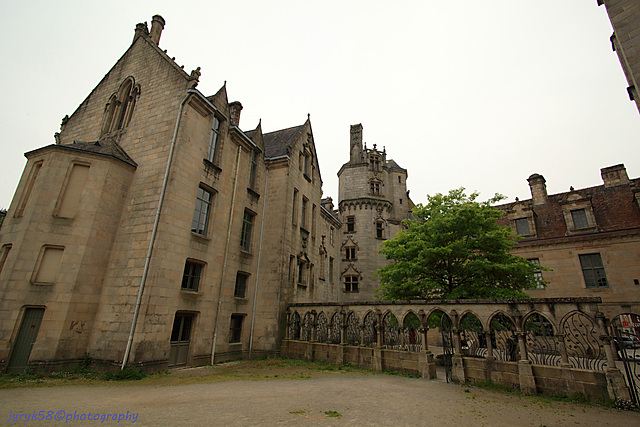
point(333, 414)
point(575, 398)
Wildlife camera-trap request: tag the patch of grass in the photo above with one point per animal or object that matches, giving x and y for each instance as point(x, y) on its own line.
point(129, 373)
point(333, 414)
point(400, 373)
point(298, 412)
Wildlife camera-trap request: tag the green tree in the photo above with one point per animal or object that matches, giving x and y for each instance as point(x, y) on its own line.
point(455, 250)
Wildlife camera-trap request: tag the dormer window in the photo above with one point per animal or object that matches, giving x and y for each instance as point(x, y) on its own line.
point(578, 214)
point(579, 217)
point(213, 140)
point(374, 163)
point(522, 227)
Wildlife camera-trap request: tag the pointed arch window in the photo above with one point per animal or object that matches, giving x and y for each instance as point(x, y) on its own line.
point(119, 109)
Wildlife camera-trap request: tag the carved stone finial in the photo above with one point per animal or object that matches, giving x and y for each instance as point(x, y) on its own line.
point(517, 200)
point(571, 188)
point(56, 137)
point(195, 74)
point(65, 119)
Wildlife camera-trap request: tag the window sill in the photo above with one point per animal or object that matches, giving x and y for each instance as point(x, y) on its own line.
point(241, 300)
point(200, 237)
point(235, 344)
point(209, 164)
point(350, 292)
point(253, 194)
point(348, 232)
point(245, 254)
point(191, 292)
point(307, 177)
point(301, 285)
point(43, 284)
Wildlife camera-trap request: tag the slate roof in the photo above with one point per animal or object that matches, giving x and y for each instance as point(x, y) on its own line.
point(105, 147)
point(614, 208)
point(391, 164)
point(276, 143)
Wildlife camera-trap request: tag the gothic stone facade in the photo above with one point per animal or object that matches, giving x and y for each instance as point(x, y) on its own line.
point(156, 231)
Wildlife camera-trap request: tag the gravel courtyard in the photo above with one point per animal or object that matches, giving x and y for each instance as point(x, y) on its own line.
point(297, 396)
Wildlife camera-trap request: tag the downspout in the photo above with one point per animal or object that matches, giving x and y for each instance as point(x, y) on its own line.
point(226, 254)
point(147, 261)
point(255, 293)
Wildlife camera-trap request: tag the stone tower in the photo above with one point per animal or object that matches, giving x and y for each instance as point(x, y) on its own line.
point(373, 201)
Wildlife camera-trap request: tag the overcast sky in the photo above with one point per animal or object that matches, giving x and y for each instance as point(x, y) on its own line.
point(470, 93)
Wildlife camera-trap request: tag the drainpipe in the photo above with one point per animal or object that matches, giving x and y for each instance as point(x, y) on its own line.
point(226, 254)
point(145, 271)
point(255, 293)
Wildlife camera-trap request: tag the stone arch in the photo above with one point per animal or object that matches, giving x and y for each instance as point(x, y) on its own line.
point(335, 331)
point(294, 326)
point(473, 341)
point(411, 336)
point(307, 326)
point(541, 341)
point(503, 337)
point(582, 341)
point(352, 329)
point(391, 331)
point(370, 329)
point(322, 328)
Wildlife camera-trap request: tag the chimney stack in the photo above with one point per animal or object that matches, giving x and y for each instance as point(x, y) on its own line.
point(614, 175)
point(538, 186)
point(157, 25)
point(141, 29)
point(356, 144)
point(234, 112)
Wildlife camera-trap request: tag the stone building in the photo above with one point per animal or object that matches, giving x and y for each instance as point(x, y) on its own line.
point(623, 15)
point(589, 237)
point(156, 231)
point(373, 201)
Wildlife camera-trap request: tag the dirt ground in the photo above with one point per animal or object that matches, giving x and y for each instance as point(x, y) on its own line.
point(295, 395)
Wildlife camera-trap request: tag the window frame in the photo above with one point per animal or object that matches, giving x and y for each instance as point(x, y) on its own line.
point(201, 219)
point(537, 274)
point(246, 234)
point(351, 224)
point(243, 287)
point(214, 139)
point(349, 281)
point(593, 271)
point(192, 275)
point(235, 328)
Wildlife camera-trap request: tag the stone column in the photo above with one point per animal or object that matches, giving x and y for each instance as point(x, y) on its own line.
point(488, 335)
point(426, 361)
point(564, 356)
point(522, 345)
point(616, 385)
point(424, 332)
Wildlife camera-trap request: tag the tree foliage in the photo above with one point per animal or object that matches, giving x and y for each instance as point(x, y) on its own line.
point(455, 250)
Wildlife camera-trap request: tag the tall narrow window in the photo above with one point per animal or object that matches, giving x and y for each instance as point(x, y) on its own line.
point(303, 213)
point(241, 285)
point(35, 169)
point(301, 276)
point(579, 217)
point(294, 215)
point(330, 270)
point(331, 236)
point(200, 221)
point(247, 229)
point(47, 268)
point(374, 188)
point(191, 275)
point(313, 221)
point(254, 170)
point(72, 191)
point(537, 274)
point(379, 230)
point(213, 140)
point(235, 330)
point(593, 271)
point(4, 255)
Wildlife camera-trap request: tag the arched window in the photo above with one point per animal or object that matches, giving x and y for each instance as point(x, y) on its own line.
point(119, 109)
